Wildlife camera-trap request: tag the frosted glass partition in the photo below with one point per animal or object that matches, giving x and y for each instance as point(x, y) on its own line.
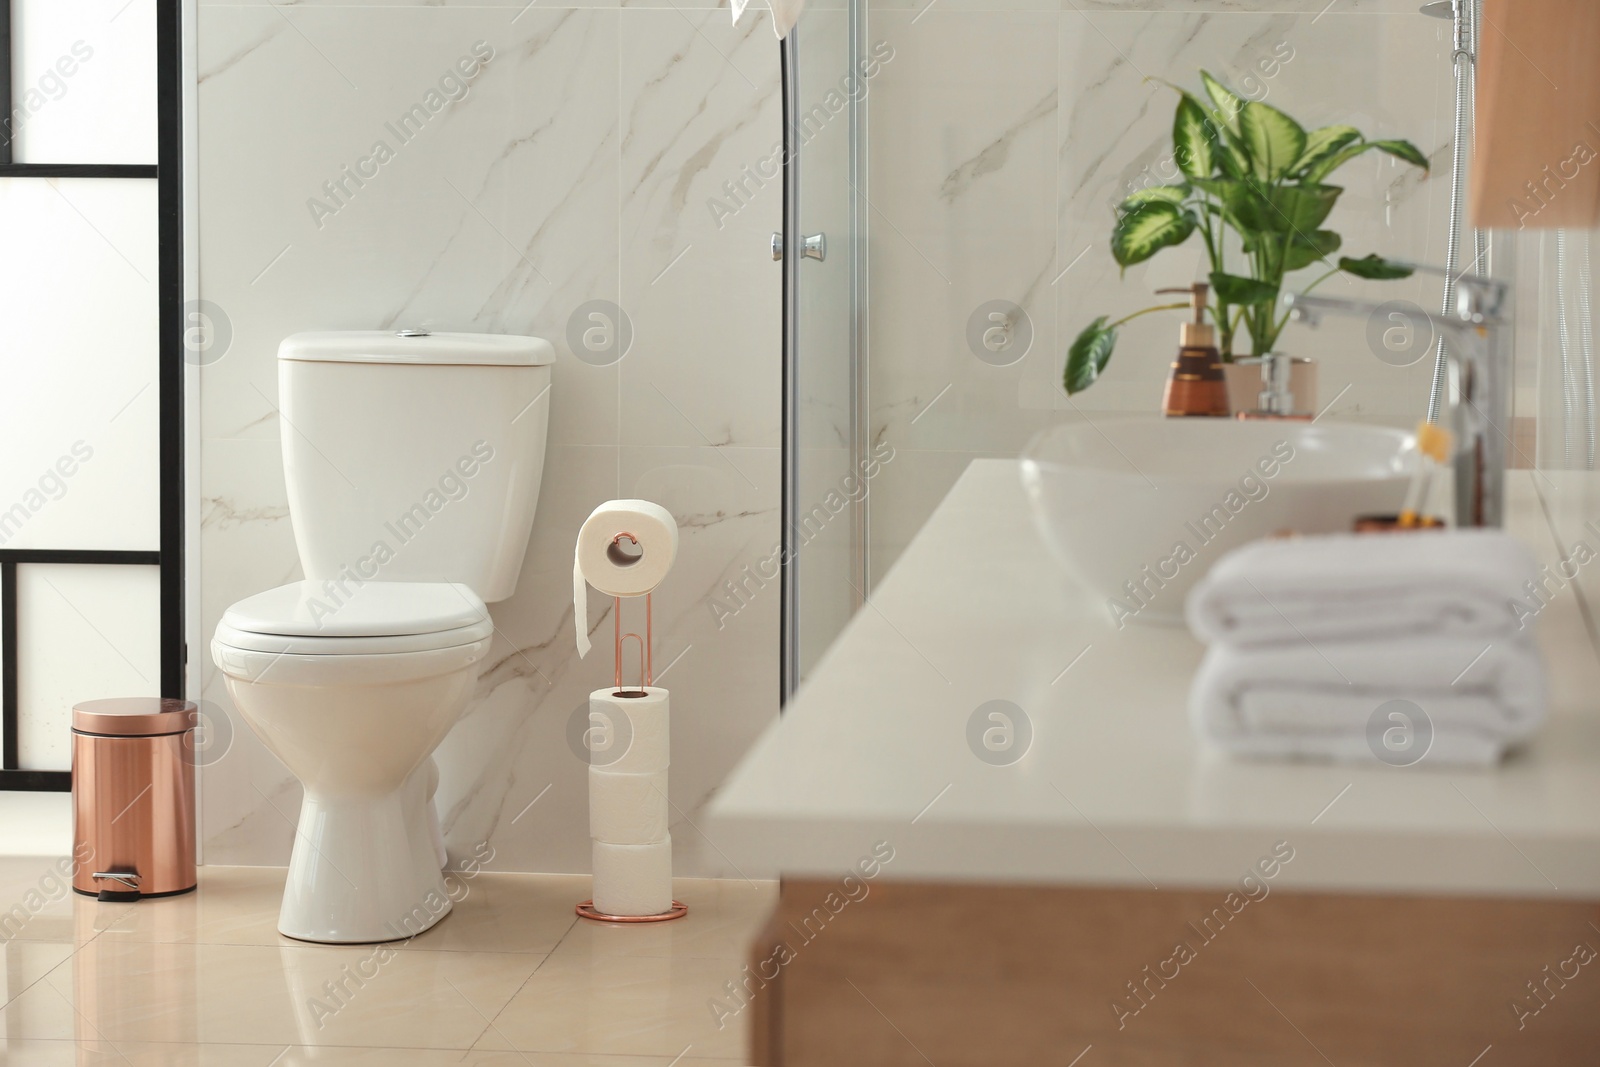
point(83, 81)
point(79, 410)
point(89, 631)
point(91, 374)
point(831, 485)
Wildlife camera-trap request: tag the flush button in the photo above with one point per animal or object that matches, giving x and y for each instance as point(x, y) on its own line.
point(412, 333)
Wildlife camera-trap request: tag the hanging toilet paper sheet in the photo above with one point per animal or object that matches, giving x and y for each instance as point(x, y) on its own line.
point(617, 565)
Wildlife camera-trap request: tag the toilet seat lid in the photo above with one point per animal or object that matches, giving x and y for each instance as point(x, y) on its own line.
point(328, 609)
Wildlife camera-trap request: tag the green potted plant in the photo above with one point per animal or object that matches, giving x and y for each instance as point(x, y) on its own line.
point(1255, 190)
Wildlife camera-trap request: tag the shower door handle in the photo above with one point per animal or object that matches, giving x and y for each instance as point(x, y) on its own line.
point(816, 247)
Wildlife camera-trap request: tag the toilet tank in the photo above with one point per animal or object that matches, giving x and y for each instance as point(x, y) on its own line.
point(414, 457)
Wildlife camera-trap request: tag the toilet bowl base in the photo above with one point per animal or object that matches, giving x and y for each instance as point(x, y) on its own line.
point(361, 872)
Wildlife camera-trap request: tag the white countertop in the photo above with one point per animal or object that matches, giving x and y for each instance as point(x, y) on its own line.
point(1115, 789)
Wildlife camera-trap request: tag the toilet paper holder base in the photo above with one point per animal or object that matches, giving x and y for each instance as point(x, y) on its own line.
point(587, 910)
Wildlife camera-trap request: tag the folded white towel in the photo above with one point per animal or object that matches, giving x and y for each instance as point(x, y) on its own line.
point(785, 13)
point(1364, 587)
point(1460, 700)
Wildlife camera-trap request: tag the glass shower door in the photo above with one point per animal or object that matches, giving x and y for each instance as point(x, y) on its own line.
point(825, 484)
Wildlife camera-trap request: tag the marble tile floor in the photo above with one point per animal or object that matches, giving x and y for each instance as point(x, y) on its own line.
point(510, 977)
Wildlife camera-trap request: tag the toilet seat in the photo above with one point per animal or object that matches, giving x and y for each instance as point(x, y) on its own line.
point(343, 670)
point(309, 618)
point(400, 644)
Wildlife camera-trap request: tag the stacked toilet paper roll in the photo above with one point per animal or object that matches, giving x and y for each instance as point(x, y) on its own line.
point(628, 762)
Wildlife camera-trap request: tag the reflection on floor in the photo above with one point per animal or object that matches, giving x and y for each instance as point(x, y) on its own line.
point(512, 976)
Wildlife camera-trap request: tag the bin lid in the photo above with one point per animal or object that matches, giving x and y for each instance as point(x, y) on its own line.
point(134, 716)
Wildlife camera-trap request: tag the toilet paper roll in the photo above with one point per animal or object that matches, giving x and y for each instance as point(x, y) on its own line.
point(615, 569)
point(633, 879)
point(627, 809)
point(631, 734)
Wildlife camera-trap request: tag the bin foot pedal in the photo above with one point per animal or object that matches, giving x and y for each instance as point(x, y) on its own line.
point(124, 885)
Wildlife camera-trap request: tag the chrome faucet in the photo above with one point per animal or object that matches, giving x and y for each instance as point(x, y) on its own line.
point(1480, 338)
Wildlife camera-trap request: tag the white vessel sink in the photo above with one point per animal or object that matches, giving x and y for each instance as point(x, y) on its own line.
point(1154, 502)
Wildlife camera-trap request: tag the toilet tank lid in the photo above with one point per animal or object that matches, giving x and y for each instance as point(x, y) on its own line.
point(377, 346)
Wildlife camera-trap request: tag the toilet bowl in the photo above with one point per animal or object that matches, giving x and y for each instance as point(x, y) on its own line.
point(413, 463)
point(354, 703)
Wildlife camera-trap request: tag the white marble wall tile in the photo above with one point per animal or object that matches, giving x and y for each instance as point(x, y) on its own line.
point(700, 108)
point(963, 156)
point(491, 218)
point(903, 496)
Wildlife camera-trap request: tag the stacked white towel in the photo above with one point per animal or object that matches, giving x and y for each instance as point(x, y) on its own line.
point(1355, 647)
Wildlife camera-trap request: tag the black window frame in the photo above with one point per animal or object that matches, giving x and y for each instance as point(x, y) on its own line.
point(168, 175)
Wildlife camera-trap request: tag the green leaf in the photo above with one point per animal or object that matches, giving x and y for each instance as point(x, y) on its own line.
point(1299, 209)
point(1232, 289)
point(1228, 104)
point(1147, 229)
point(1254, 209)
point(1375, 267)
point(1087, 357)
point(1229, 151)
point(1221, 188)
point(1332, 162)
point(1403, 150)
point(1323, 142)
point(1243, 206)
point(1306, 249)
point(1231, 157)
point(1193, 138)
point(1275, 140)
point(1172, 194)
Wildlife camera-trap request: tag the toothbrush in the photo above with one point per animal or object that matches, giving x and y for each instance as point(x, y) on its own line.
point(1433, 446)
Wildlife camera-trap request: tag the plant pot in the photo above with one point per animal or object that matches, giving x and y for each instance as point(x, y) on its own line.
point(1244, 383)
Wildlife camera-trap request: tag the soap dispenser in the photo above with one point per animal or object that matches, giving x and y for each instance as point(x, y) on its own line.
point(1196, 385)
